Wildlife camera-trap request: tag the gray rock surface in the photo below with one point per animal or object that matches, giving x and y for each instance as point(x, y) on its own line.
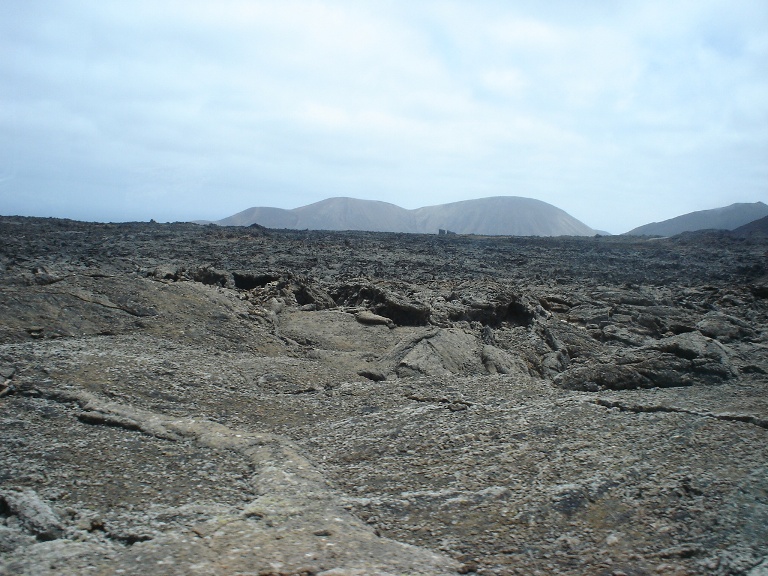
point(181, 399)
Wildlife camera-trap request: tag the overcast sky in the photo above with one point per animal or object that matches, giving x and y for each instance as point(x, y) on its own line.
point(620, 113)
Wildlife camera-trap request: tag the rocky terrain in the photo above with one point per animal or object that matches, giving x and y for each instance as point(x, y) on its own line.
point(184, 399)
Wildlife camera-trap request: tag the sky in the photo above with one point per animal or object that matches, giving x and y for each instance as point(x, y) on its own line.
point(620, 113)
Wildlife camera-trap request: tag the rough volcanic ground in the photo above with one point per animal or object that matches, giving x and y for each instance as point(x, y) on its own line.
point(182, 399)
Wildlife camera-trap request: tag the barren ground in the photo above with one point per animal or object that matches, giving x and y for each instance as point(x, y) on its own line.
point(182, 399)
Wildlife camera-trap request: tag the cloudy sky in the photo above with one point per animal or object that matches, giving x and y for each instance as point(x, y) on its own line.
point(620, 113)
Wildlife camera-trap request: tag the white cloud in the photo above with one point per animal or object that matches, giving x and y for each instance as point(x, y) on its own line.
point(508, 82)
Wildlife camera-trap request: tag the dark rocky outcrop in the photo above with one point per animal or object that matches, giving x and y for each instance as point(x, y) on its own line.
point(681, 360)
point(384, 301)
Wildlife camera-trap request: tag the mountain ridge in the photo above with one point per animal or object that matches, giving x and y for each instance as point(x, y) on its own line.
point(724, 218)
point(754, 228)
point(495, 215)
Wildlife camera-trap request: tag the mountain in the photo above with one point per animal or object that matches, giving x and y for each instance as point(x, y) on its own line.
point(499, 215)
point(330, 214)
point(754, 228)
point(353, 214)
point(727, 218)
point(502, 216)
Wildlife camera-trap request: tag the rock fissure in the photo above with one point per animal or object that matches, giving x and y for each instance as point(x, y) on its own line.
point(101, 301)
point(639, 409)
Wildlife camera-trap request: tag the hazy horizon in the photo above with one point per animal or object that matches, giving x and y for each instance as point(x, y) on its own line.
point(620, 115)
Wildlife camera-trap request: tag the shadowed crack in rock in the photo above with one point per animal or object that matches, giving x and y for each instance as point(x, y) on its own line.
point(106, 303)
point(726, 417)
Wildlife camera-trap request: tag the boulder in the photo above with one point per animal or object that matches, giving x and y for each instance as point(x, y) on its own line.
point(681, 360)
point(723, 327)
point(384, 301)
point(35, 515)
point(371, 319)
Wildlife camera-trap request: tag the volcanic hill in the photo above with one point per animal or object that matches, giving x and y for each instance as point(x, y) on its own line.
point(499, 215)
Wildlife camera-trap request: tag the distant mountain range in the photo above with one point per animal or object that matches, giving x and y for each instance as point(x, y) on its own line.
point(499, 215)
point(727, 218)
